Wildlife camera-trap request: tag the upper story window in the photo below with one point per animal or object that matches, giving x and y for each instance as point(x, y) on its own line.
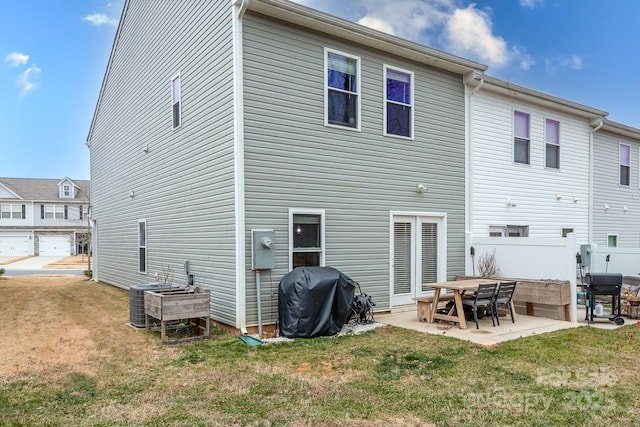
point(521, 138)
point(175, 101)
point(398, 97)
point(66, 191)
point(54, 212)
point(342, 79)
point(625, 164)
point(12, 211)
point(552, 144)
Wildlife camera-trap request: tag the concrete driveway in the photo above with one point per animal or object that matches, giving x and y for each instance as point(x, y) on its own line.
point(31, 263)
point(36, 265)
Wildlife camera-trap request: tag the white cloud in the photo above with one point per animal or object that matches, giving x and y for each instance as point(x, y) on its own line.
point(377, 24)
point(531, 4)
point(17, 58)
point(469, 32)
point(416, 20)
point(25, 80)
point(570, 62)
point(99, 19)
point(525, 60)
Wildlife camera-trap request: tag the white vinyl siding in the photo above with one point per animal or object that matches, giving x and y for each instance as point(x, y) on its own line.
point(607, 191)
point(495, 179)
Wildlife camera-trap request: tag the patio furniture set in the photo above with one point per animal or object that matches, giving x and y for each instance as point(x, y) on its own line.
point(488, 295)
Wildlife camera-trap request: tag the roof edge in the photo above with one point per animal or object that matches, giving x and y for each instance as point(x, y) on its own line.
point(306, 17)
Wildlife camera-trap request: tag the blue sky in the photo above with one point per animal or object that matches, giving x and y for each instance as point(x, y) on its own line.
point(54, 53)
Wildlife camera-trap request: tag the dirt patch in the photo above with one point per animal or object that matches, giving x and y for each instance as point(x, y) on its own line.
point(60, 322)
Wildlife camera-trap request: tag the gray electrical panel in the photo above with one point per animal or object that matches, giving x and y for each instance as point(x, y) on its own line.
point(263, 249)
point(585, 253)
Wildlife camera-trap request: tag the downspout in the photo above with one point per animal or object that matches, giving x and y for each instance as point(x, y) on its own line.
point(595, 123)
point(238, 9)
point(468, 182)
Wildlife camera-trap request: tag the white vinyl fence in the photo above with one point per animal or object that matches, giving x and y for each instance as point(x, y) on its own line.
point(550, 258)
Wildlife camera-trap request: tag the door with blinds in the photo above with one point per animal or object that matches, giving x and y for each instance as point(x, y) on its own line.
point(417, 256)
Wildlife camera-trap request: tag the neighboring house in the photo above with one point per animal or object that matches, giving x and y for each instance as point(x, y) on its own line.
point(46, 217)
point(530, 156)
point(616, 187)
point(218, 118)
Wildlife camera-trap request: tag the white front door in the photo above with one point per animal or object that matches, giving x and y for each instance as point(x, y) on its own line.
point(417, 256)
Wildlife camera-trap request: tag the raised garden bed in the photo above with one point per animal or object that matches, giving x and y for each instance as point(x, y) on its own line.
point(174, 304)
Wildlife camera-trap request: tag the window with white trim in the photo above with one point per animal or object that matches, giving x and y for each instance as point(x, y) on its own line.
point(612, 240)
point(625, 164)
point(521, 138)
point(306, 232)
point(54, 212)
point(12, 211)
point(142, 246)
point(176, 97)
point(342, 96)
point(552, 143)
point(398, 98)
point(66, 191)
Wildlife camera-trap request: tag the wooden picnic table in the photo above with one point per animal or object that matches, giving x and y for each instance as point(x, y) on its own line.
point(459, 287)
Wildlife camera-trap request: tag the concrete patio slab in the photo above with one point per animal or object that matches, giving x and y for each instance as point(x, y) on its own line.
point(487, 334)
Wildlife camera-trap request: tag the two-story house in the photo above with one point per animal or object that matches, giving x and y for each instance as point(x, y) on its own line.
point(46, 217)
point(530, 155)
point(219, 119)
point(616, 187)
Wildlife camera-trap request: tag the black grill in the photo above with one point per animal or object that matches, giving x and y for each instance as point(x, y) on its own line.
point(603, 284)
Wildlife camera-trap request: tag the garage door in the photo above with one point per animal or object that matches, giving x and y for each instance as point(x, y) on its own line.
point(54, 245)
point(14, 245)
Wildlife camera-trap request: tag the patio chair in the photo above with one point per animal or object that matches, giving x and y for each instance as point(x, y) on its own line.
point(484, 297)
point(504, 298)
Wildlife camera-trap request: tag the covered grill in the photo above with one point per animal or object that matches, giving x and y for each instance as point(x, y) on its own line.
point(603, 284)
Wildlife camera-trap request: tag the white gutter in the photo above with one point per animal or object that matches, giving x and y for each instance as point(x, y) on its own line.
point(473, 82)
point(238, 9)
point(596, 123)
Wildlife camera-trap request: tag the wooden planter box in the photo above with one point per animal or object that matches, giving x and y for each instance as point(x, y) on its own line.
point(540, 298)
point(176, 304)
point(543, 298)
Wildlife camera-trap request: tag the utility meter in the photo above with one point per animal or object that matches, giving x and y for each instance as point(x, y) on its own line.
point(263, 249)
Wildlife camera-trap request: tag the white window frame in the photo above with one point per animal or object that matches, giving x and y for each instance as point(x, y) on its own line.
point(10, 211)
point(176, 102)
point(385, 101)
point(617, 240)
point(548, 143)
point(520, 138)
point(494, 230)
point(304, 211)
point(357, 93)
point(620, 165)
point(53, 211)
point(144, 246)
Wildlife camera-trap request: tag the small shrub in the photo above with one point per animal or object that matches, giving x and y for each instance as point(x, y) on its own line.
point(88, 273)
point(2, 271)
point(487, 265)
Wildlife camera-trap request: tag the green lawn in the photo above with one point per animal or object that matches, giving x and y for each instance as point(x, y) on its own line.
point(387, 377)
